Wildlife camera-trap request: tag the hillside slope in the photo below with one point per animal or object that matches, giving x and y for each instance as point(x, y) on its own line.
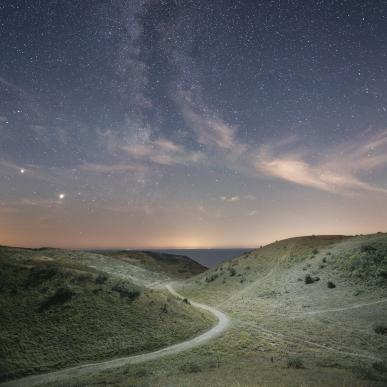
point(173, 266)
point(309, 311)
point(57, 309)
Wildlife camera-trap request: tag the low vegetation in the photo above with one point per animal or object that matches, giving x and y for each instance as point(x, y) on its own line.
point(55, 312)
point(295, 362)
point(284, 331)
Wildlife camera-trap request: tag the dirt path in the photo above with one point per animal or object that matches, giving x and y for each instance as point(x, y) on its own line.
point(86, 369)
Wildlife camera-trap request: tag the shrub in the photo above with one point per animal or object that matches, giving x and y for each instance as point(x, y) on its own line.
point(39, 274)
point(101, 279)
point(186, 301)
point(141, 373)
point(212, 277)
point(126, 292)
point(308, 279)
point(232, 272)
point(60, 297)
point(315, 251)
point(331, 285)
point(295, 362)
point(380, 366)
point(367, 249)
point(190, 368)
point(381, 329)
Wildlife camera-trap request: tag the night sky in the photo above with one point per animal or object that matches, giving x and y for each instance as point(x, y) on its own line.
point(191, 123)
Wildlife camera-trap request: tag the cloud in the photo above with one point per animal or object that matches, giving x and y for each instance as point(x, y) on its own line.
point(230, 198)
point(210, 129)
point(159, 150)
point(43, 203)
point(341, 170)
point(112, 168)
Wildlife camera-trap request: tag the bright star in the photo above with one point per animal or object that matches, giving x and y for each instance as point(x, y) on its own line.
point(61, 196)
point(22, 171)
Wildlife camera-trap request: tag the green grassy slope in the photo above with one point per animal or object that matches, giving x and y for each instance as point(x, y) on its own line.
point(284, 331)
point(174, 266)
point(57, 308)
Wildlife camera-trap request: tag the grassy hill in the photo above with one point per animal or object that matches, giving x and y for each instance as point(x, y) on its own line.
point(173, 266)
point(60, 308)
point(309, 311)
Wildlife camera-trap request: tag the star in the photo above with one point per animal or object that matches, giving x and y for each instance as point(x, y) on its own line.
point(62, 196)
point(22, 171)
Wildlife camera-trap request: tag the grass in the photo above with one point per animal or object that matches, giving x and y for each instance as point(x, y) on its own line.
point(174, 266)
point(56, 312)
point(283, 332)
point(273, 339)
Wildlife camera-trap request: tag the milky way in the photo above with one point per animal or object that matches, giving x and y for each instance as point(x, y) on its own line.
point(191, 123)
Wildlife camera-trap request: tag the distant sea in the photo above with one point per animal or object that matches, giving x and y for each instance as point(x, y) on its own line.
point(207, 257)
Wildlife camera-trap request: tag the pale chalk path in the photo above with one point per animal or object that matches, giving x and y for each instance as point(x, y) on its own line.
point(87, 369)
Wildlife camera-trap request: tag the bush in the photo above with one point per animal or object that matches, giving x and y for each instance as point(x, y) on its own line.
point(141, 373)
point(381, 329)
point(380, 367)
point(331, 285)
point(101, 279)
point(295, 362)
point(60, 297)
point(232, 272)
point(212, 277)
point(309, 280)
point(39, 274)
point(186, 301)
point(367, 249)
point(126, 292)
point(190, 368)
point(315, 251)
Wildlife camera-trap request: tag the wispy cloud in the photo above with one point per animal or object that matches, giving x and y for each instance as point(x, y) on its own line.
point(231, 199)
point(341, 170)
point(159, 150)
point(210, 129)
point(44, 203)
point(112, 168)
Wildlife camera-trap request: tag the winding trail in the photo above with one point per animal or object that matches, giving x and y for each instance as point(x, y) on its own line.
point(86, 369)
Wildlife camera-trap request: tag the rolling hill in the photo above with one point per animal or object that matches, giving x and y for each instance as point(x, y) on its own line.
point(307, 311)
point(173, 266)
point(60, 308)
